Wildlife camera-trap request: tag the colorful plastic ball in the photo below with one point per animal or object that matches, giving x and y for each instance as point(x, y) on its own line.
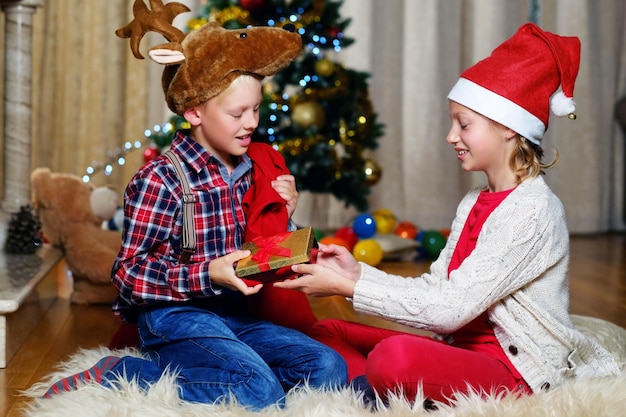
point(406, 230)
point(364, 226)
point(383, 212)
point(368, 251)
point(318, 234)
point(332, 240)
point(432, 243)
point(420, 248)
point(348, 234)
point(445, 232)
point(385, 221)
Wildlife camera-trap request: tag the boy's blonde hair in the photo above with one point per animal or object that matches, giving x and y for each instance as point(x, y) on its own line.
point(241, 78)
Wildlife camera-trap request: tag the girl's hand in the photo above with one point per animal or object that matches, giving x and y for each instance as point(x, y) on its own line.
point(285, 186)
point(222, 273)
point(318, 281)
point(339, 259)
point(335, 272)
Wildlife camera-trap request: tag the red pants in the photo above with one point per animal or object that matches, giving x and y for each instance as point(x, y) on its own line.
point(402, 362)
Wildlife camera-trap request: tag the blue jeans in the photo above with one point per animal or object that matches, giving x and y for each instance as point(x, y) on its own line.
point(222, 356)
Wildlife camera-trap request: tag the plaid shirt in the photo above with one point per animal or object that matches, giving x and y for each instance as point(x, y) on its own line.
point(147, 270)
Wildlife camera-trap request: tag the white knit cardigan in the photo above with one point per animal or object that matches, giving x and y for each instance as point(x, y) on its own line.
point(517, 272)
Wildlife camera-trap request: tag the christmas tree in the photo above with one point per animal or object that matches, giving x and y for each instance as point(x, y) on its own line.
point(316, 112)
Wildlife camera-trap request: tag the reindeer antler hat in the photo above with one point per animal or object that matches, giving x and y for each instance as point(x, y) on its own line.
point(203, 63)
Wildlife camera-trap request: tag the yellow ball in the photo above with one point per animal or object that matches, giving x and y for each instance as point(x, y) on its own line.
point(383, 212)
point(385, 221)
point(368, 251)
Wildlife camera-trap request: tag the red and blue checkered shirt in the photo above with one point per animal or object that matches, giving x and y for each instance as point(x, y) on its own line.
point(147, 270)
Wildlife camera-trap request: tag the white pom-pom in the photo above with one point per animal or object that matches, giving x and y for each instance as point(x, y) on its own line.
point(561, 105)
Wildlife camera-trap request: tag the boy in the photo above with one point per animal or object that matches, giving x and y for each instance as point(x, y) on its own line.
point(192, 314)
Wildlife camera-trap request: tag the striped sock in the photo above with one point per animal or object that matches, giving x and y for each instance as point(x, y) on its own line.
point(95, 374)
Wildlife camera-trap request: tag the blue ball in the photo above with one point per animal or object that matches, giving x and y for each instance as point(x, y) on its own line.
point(364, 226)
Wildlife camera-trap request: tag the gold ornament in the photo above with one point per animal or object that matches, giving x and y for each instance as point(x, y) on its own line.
point(372, 171)
point(307, 114)
point(324, 67)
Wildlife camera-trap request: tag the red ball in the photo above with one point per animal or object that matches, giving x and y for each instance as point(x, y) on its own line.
point(348, 234)
point(406, 230)
point(150, 153)
point(253, 6)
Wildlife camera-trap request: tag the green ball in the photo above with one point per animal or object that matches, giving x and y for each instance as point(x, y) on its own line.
point(318, 234)
point(432, 243)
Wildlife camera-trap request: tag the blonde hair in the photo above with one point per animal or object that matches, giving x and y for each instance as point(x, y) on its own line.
point(242, 78)
point(527, 160)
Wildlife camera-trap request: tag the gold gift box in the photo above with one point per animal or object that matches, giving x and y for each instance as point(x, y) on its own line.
point(276, 252)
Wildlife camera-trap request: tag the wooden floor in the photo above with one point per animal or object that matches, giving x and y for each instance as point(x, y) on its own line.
point(598, 288)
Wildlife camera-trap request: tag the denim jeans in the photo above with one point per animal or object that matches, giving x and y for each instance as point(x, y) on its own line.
point(221, 357)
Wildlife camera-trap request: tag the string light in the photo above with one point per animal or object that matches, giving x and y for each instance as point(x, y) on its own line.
point(117, 157)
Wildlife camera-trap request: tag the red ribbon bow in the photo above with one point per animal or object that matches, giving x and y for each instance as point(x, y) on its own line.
point(268, 247)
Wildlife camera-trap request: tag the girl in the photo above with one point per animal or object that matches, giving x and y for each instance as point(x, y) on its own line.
point(497, 296)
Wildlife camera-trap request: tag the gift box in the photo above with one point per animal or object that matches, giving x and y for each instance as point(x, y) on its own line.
point(275, 252)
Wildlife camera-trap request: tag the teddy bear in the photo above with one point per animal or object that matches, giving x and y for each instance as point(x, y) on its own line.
point(72, 214)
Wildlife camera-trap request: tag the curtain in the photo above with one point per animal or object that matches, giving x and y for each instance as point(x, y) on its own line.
point(89, 93)
point(415, 54)
point(91, 96)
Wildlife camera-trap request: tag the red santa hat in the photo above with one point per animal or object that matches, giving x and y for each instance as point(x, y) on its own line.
point(518, 84)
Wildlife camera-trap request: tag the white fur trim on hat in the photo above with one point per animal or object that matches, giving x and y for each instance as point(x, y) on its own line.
point(498, 108)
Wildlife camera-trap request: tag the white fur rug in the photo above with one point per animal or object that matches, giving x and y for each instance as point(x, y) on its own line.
point(595, 398)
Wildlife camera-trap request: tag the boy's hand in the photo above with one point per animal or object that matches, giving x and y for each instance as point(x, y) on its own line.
point(285, 186)
point(222, 273)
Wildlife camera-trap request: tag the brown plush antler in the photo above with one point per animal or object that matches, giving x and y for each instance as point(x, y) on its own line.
point(158, 20)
